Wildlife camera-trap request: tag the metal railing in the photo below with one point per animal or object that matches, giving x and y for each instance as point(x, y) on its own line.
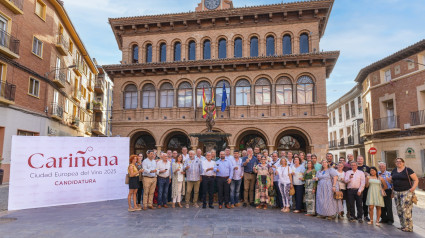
point(350, 140)
point(75, 121)
point(90, 106)
point(60, 76)
point(332, 144)
point(63, 41)
point(57, 110)
point(364, 128)
point(386, 123)
point(7, 91)
point(417, 118)
point(9, 41)
point(341, 142)
point(100, 84)
point(98, 106)
point(99, 126)
point(18, 3)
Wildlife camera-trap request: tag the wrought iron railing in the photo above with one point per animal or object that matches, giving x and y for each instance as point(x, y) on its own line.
point(60, 76)
point(417, 118)
point(386, 123)
point(63, 41)
point(9, 41)
point(57, 110)
point(350, 140)
point(341, 142)
point(332, 144)
point(7, 91)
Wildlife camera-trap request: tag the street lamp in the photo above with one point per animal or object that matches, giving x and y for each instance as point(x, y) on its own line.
point(412, 61)
point(69, 67)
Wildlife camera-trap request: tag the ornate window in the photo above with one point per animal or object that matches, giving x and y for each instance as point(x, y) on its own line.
point(254, 47)
point(270, 46)
point(177, 51)
point(148, 96)
point(284, 91)
point(149, 53)
point(305, 88)
point(143, 144)
point(304, 43)
point(287, 45)
point(130, 97)
point(163, 52)
point(238, 48)
point(222, 49)
point(167, 95)
point(192, 50)
point(199, 92)
point(135, 54)
point(207, 49)
point(243, 93)
point(252, 141)
point(185, 95)
point(219, 93)
point(262, 92)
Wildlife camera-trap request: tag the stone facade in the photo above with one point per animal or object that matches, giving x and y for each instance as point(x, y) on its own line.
point(277, 99)
point(394, 104)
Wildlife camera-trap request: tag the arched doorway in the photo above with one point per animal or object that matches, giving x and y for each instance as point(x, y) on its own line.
point(142, 142)
point(175, 141)
point(251, 139)
point(294, 141)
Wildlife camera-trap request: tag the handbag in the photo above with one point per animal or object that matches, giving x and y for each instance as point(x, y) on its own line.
point(338, 195)
point(292, 189)
point(127, 179)
point(414, 198)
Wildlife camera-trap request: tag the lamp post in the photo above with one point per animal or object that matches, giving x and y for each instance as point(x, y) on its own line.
point(412, 61)
point(56, 69)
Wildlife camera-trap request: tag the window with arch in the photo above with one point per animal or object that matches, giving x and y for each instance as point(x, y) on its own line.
point(304, 43)
point(148, 53)
point(222, 49)
point(130, 97)
point(192, 50)
point(238, 47)
point(262, 92)
point(163, 52)
point(177, 51)
point(243, 93)
point(185, 95)
point(204, 85)
point(148, 96)
point(135, 54)
point(207, 49)
point(254, 47)
point(287, 45)
point(284, 91)
point(219, 93)
point(270, 46)
point(305, 89)
point(167, 95)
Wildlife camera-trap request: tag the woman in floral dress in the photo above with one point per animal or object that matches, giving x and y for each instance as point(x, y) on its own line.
point(264, 183)
point(310, 189)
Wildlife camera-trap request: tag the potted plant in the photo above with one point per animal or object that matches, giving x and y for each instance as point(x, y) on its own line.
point(421, 184)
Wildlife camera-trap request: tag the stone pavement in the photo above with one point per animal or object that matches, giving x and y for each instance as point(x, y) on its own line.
point(4, 193)
point(111, 219)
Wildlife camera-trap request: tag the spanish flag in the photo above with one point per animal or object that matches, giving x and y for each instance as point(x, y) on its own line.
point(204, 113)
point(213, 101)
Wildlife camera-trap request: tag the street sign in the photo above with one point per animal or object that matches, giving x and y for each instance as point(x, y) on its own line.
point(373, 151)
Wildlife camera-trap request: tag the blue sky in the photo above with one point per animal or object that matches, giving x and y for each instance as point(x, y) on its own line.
point(364, 31)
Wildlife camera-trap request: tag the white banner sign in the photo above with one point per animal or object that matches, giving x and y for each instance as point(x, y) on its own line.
point(52, 171)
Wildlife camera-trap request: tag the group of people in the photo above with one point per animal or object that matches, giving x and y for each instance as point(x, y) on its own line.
point(288, 181)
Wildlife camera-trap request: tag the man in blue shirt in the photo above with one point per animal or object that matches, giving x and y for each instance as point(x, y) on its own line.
point(248, 163)
point(387, 211)
point(224, 173)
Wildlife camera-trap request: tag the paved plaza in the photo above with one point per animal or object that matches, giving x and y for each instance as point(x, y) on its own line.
point(111, 219)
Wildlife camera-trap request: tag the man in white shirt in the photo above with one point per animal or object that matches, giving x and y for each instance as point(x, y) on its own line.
point(208, 176)
point(164, 179)
point(199, 155)
point(192, 167)
point(289, 158)
point(228, 156)
point(149, 180)
point(185, 155)
point(235, 185)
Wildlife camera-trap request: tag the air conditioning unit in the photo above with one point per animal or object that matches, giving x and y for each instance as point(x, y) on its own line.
point(407, 126)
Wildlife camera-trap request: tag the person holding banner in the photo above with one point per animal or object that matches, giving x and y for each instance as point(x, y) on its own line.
point(133, 174)
point(149, 180)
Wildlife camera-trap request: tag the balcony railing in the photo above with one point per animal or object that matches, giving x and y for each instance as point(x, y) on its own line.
point(7, 92)
point(77, 95)
point(78, 69)
point(87, 128)
point(98, 106)
point(98, 128)
point(57, 111)
point(332, 144)
point(341, 142)
point(75, 122)
point(350, 140)
point(10, 43)
point(365, 129)
point(60, 78)
point(62, 44)
point(386, 123)
point(417, 118)
point(100, 85)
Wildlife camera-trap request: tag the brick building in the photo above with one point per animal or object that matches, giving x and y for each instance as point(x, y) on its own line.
point(268, 57)
point(47, 75)
point(394, 103)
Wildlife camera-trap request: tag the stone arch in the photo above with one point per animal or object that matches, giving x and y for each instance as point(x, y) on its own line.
point(141, 140)
point(262, 76)
point(124, 85)
point(295, 136)
point(174, 139)
point(162, 81)
point(247, 132)
point(305, 74)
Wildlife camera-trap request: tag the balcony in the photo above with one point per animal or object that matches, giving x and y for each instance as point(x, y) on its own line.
point(62, 45)
point(87, 129)
point(332, 144)
point(89, 107)
point(350, 140)
point(9, 45)
point(16, 6)
point(90, 85)
point(97, 107)
point(386, 124)
point(77, 95)
point(341, 142)
point(365, 129)
point(7, 93)
point(98, 128)
point(100, 85)
point(60, 78)
point(78, 69)
point(417, 119)
point(75, 122)
point(57, 112)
